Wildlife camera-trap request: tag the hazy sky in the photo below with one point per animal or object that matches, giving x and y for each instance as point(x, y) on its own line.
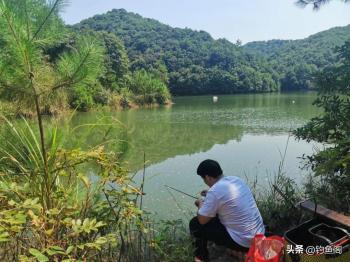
point(247, 20)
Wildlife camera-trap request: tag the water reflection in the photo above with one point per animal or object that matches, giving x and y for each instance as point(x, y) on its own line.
point(245, 133)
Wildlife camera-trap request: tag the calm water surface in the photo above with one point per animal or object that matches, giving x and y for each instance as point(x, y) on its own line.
point(247, 134)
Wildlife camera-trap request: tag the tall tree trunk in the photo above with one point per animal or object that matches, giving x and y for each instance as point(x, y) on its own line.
point(46, 187)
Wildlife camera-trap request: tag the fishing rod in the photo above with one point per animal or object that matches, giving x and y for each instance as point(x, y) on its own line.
point(181, 191)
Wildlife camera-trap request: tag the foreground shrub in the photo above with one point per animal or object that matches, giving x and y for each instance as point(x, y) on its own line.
point(78, 209)
point(277, 204)
point(172, 242)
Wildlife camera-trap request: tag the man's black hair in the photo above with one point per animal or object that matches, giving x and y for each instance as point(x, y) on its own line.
point(209, 167)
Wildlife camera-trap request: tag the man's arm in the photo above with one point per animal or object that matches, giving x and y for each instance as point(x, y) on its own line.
point(201, 219)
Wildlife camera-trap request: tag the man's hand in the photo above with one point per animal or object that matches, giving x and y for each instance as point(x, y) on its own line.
point(204, 192)
point(201, 219)
point(198, 203)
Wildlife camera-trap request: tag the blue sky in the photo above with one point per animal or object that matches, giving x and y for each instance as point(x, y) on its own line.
point(247, 20)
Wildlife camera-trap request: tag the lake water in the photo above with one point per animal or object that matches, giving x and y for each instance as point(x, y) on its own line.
point(246, 134)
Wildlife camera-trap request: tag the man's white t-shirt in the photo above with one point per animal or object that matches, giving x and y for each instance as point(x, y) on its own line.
point(231, 199)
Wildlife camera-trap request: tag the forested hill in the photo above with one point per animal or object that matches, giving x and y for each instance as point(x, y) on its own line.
point(296, 60)
point(195, 62)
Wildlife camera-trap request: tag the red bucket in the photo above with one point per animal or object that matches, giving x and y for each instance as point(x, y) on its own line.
point(266, 249)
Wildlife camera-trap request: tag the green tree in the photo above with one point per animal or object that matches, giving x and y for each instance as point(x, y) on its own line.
point(298, 77)
point(50, 209)
point(149, 88)
point(114, 71)
point(182, 58)
point(332, 128)
point(116, 61)
point(332, 163)
point(26, 76)
point(316, 3)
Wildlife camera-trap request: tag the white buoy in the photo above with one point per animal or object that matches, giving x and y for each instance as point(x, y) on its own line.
point(215, 99)
point(293, 102)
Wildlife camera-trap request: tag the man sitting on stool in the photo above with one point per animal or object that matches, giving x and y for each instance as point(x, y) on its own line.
point(228, 216)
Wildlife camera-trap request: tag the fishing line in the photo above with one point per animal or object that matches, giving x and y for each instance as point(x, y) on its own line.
point(181, 192)
point(177, 204)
